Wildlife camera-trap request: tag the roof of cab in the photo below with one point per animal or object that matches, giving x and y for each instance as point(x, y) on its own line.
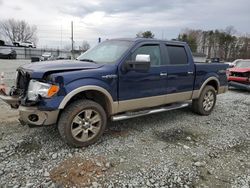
point(150, 40)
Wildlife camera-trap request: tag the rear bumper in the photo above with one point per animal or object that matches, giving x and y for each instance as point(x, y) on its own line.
point(239, 85)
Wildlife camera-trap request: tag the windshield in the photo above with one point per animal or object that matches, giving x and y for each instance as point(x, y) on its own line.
point(106, 52)
point(243, 64)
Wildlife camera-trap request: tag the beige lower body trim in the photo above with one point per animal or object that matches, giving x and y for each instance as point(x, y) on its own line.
point(222, 89)
point(148, 102)
point(196, 94)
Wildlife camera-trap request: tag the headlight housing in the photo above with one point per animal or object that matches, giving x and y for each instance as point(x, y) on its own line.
point(44, 90)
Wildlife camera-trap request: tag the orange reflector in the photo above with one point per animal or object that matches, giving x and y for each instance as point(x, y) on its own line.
point(53, 90)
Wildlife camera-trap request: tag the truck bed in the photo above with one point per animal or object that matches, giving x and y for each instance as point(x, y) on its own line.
point(205, 70)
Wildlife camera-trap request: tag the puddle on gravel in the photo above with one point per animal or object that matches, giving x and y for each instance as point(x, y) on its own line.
point(176, 135)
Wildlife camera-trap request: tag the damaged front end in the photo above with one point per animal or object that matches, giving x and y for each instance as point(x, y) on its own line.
point(239, 80)
point(17, 93)
point(17, 98)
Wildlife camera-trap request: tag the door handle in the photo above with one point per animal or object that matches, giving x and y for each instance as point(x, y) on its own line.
point(163, 74)
point(190, 72)
point(110, 76)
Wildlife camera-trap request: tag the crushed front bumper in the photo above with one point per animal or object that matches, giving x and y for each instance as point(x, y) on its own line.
point(13, 101)
point(36, 117)
point(31, 115)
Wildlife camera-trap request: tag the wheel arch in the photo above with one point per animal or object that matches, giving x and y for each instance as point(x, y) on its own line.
point(212, 81)
point(94, 93)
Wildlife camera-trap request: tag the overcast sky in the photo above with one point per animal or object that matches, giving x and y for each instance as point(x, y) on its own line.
point(124, 18)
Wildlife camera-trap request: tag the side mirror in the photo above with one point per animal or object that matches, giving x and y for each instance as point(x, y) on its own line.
point(141, 63)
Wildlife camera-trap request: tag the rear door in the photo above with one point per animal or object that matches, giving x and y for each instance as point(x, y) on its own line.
point(180, 70)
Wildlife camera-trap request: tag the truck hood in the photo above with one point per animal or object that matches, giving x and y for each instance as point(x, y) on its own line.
point(38, 69)
point(241, 70)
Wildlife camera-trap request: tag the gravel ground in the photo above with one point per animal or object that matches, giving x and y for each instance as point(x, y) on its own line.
point(172, 149)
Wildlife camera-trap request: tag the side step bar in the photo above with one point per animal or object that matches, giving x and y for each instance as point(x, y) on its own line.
point(129, 115)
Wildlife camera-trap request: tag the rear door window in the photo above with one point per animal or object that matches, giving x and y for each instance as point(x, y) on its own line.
point(177, 55)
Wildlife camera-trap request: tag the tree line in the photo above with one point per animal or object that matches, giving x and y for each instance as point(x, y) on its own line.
point(224, 44)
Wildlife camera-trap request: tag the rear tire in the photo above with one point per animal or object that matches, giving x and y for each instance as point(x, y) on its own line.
point(204, 105)
point(82, 123)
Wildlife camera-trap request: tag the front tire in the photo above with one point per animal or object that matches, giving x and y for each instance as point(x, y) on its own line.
point(204, 105)
point(82, 123)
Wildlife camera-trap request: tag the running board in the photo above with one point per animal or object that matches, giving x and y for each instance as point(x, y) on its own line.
point(129, 115)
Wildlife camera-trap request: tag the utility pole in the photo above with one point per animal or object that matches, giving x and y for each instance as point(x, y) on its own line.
point(61, 36)
point(72, 40)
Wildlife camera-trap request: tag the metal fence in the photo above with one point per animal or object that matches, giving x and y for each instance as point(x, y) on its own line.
point(27, 53)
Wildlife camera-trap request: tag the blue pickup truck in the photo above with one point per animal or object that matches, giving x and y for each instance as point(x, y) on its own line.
point(116, 80)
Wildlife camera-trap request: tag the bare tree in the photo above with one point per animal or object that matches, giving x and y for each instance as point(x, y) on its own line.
point(18, 30)
point(85, 46)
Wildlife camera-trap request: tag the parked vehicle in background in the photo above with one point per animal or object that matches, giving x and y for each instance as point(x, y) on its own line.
point(63, 56)
point(118, 79)
point(46, 56)
point(2, 43)
point(239, 75)
point(230, 64)
point(7, 53)
point(237, 60)
point(35, 59)
point(215, 60)
point(26, 44)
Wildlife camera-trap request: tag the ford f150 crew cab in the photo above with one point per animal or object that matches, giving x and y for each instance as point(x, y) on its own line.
point(118, 79)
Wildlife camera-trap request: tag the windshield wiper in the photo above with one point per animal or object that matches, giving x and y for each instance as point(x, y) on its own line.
point(88, 60)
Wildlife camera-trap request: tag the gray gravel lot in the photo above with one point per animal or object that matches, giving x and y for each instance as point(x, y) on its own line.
point(172, 149)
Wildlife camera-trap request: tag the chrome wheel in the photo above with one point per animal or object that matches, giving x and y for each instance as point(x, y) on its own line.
point(208, 101)
point(86, 125)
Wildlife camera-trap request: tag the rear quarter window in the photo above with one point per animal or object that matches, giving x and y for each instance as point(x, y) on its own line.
point(177, 55)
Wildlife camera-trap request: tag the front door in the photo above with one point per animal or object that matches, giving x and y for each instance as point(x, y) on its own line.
point(141, 90)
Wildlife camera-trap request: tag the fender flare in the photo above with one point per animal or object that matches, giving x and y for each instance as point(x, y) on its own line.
point(112, 105)
point(197, 93)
